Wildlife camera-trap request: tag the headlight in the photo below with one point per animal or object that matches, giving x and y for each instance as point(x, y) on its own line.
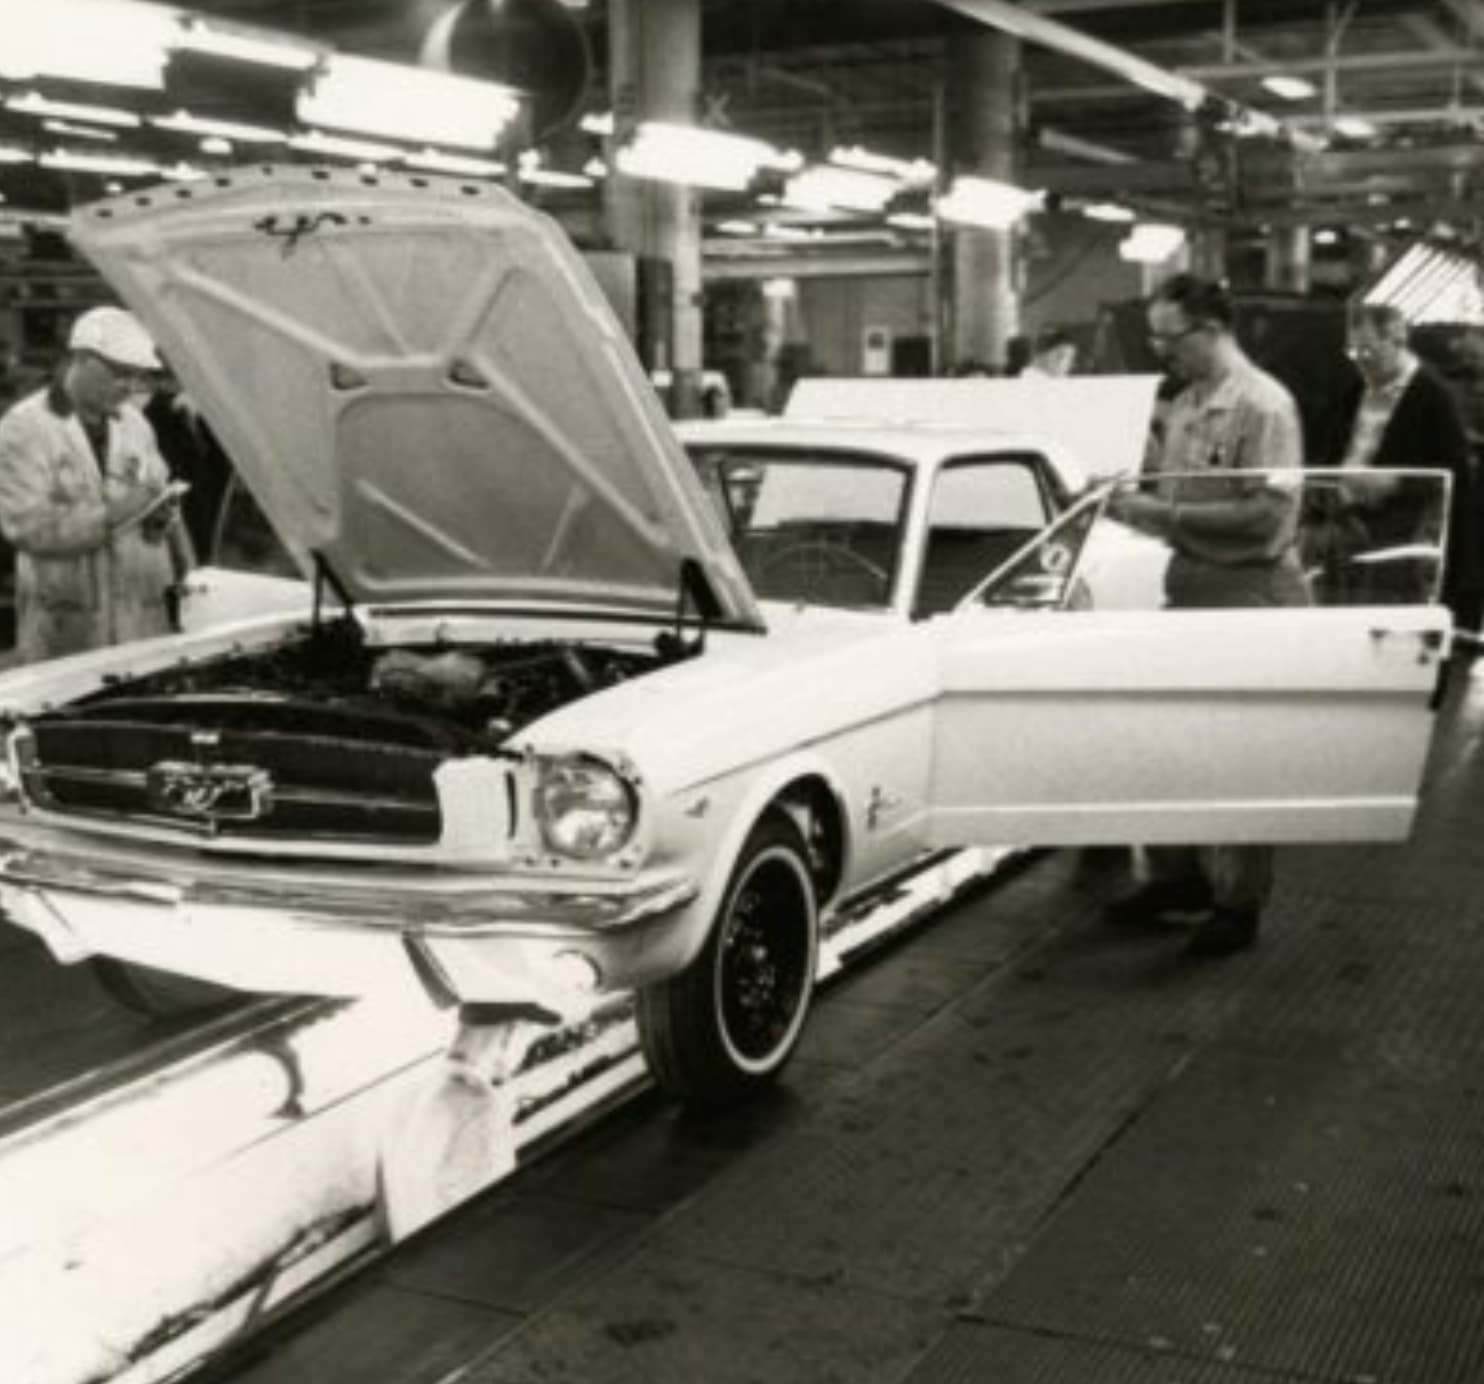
point(587, 810)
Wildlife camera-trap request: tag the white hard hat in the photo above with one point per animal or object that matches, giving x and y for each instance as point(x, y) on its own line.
point(115, 335)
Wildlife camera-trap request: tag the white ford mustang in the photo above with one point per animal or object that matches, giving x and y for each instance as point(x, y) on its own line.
point(557, 721)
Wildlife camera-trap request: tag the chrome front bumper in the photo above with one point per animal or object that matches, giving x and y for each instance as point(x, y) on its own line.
point(459, 939)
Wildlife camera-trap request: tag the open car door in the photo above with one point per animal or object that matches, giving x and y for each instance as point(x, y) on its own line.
point(1063, 724)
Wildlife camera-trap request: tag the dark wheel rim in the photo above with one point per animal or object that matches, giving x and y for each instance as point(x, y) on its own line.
point(766, 959)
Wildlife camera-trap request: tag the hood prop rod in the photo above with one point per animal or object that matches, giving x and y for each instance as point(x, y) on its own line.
point(324, 575)
point(693, 589)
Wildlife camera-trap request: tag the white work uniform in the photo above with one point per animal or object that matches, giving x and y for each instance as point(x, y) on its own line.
point(80, 585)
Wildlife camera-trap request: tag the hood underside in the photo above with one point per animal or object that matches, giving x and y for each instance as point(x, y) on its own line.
point(420, 381)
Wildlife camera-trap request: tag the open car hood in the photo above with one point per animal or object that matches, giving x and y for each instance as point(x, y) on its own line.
point(420, 381)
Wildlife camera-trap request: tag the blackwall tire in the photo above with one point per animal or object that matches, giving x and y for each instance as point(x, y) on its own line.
point(724, 1028)
point(160, 994)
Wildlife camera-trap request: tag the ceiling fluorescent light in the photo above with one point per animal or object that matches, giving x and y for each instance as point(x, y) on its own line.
point(825, 187)
point(456, 164)
point(8, 154)
point(116, 42)
point(66, 127)
point(533, 172)
point(1354, 127)
point(219, 40)
point(1107, 211)
point(737, 227)
point(401, 102)
point(1289, 88)
point(360, 150)
point(183, 122)
point(987, 203)
point(34, 104)
point(111, 165)
point(1151, 242)
point(694, 156)
point(913, 171)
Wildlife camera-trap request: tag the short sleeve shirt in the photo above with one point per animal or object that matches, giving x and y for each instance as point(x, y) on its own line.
point(1245, 421)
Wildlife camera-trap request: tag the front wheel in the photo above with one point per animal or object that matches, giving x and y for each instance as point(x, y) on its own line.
point(727, 1025)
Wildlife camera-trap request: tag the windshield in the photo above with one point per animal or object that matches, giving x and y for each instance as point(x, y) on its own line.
point(811, 528)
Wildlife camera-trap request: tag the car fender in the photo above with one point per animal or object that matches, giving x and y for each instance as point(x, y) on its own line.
point(743, 813)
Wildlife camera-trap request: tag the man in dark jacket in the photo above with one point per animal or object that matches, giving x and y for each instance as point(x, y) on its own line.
point(1397, 414)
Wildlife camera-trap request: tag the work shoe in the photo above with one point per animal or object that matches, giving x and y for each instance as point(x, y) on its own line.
point(1227, 930)
point(1148, 904)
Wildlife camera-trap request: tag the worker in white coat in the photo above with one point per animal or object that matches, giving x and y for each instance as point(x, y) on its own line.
point(85, 497)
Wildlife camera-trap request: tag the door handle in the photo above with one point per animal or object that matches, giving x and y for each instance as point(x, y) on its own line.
point(1429, 642)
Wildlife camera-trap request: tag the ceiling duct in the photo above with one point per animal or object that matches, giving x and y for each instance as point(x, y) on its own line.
point(539, 47)
point(1159, 81)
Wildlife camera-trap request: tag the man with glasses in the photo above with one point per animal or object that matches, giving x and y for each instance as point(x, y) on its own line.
point(85, 497)
point(1232, 539)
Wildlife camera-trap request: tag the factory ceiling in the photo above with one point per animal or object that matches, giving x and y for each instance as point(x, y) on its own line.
point(1381, 132)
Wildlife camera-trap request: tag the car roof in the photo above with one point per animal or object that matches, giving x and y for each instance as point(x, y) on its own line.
point(922, 444)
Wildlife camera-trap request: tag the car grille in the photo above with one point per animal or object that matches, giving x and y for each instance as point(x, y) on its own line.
point(221, 783)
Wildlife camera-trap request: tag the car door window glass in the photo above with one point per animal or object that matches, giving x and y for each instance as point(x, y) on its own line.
point(982, 510)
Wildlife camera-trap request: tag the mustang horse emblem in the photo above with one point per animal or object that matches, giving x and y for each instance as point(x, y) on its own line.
point(210, 792)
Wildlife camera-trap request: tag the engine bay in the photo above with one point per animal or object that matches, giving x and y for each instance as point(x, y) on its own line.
point(456, 699)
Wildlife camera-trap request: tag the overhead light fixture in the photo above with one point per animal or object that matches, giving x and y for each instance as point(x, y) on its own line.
point(10, 154)
point(694, 156)
point(458, 165)
point(110, 165)
point(217, 146)
point(987, 203)
point(1354, 127)
point(219, 40)
point(115, 42)
point(1151, 242)
point(737, 227)
point(531, 170)
point(1288, 87)
point(33, 103)
point(1108, 211)
point(401, 102)
point(184, 123)
point(1326, 236)
point(827, 186)
point(903, 170)
point(911, 221)
point(336, 147)
point(66, 127)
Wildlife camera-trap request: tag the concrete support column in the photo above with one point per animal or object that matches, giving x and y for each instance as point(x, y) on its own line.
point(986, 106)
point(1208, 252)
point(1288, 259)
point(655, 74)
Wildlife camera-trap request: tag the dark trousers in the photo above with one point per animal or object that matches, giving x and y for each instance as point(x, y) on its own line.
point(1239, 877)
